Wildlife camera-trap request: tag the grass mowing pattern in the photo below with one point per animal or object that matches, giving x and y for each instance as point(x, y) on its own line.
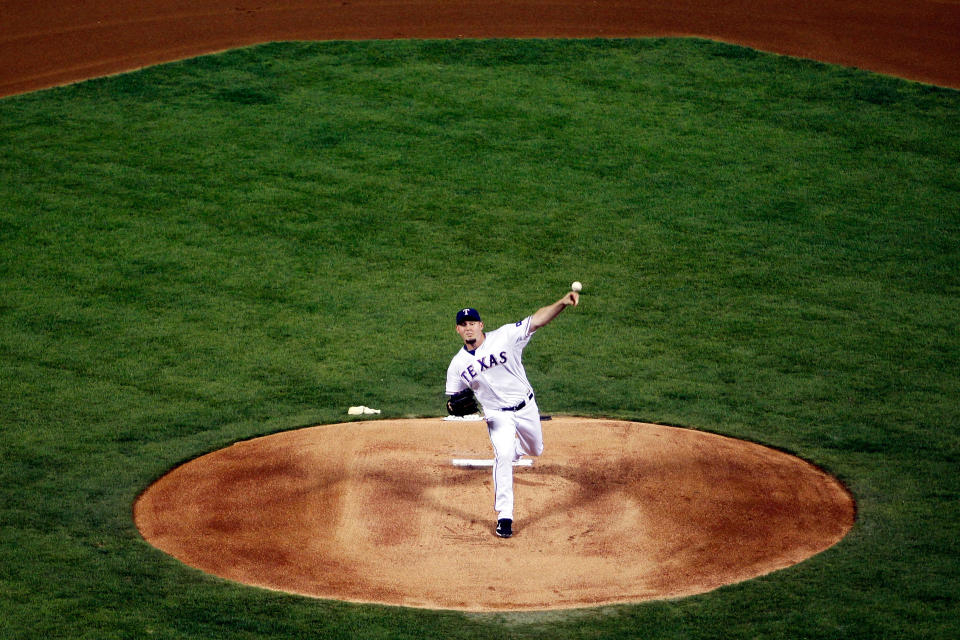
point(220, 248)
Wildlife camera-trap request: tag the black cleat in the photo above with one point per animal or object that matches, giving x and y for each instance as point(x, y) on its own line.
point(504, 527)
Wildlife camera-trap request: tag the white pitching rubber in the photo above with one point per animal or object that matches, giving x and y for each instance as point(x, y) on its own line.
point(470, 462)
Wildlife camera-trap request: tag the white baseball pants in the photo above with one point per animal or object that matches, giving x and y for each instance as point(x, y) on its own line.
point(513, 434)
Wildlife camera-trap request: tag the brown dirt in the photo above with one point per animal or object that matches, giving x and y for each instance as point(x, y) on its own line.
point(44, 44)
point(374, 511)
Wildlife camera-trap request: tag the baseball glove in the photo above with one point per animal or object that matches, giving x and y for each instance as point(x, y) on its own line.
point(463, 403)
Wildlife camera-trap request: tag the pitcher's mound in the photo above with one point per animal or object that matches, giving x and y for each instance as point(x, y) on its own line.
point(374, 511)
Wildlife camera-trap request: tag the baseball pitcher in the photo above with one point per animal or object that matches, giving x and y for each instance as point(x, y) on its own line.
point(488, 369)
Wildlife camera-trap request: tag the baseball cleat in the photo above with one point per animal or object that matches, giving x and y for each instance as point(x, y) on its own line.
point(504, 527)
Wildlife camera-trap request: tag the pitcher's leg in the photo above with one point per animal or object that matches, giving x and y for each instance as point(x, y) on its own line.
point(503, 431)
point(529, 431)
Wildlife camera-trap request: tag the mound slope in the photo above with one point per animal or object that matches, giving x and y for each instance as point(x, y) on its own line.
point(374, 511)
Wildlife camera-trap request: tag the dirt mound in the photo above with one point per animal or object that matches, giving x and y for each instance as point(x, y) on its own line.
point(374, 511)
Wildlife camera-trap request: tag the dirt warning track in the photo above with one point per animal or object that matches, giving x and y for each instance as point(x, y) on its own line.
point(374, 511)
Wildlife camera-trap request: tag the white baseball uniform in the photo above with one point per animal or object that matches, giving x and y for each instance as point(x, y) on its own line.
point(495, 373)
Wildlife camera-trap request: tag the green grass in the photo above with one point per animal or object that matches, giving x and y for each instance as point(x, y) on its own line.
point(238, 244)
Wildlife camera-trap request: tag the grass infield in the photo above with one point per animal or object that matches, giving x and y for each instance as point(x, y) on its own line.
point(233, 245)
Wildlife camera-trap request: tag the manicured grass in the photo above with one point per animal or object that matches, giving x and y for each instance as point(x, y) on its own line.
point(238, 244)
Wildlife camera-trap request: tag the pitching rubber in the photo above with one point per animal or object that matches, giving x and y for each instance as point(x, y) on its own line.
point(473, 463)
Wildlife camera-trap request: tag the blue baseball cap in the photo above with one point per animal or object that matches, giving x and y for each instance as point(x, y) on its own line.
point(468, 314)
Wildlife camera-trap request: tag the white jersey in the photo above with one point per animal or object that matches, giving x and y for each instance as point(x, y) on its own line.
point(494, 370)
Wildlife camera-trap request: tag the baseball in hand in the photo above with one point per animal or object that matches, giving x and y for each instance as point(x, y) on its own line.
point(576, 286)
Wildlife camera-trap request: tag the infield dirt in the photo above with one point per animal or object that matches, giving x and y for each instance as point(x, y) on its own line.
point(46, 44)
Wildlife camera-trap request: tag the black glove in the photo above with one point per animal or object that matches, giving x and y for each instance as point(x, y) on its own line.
point(463, 403)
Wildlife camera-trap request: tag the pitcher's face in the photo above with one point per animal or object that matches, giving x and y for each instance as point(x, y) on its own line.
point(470, 332)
